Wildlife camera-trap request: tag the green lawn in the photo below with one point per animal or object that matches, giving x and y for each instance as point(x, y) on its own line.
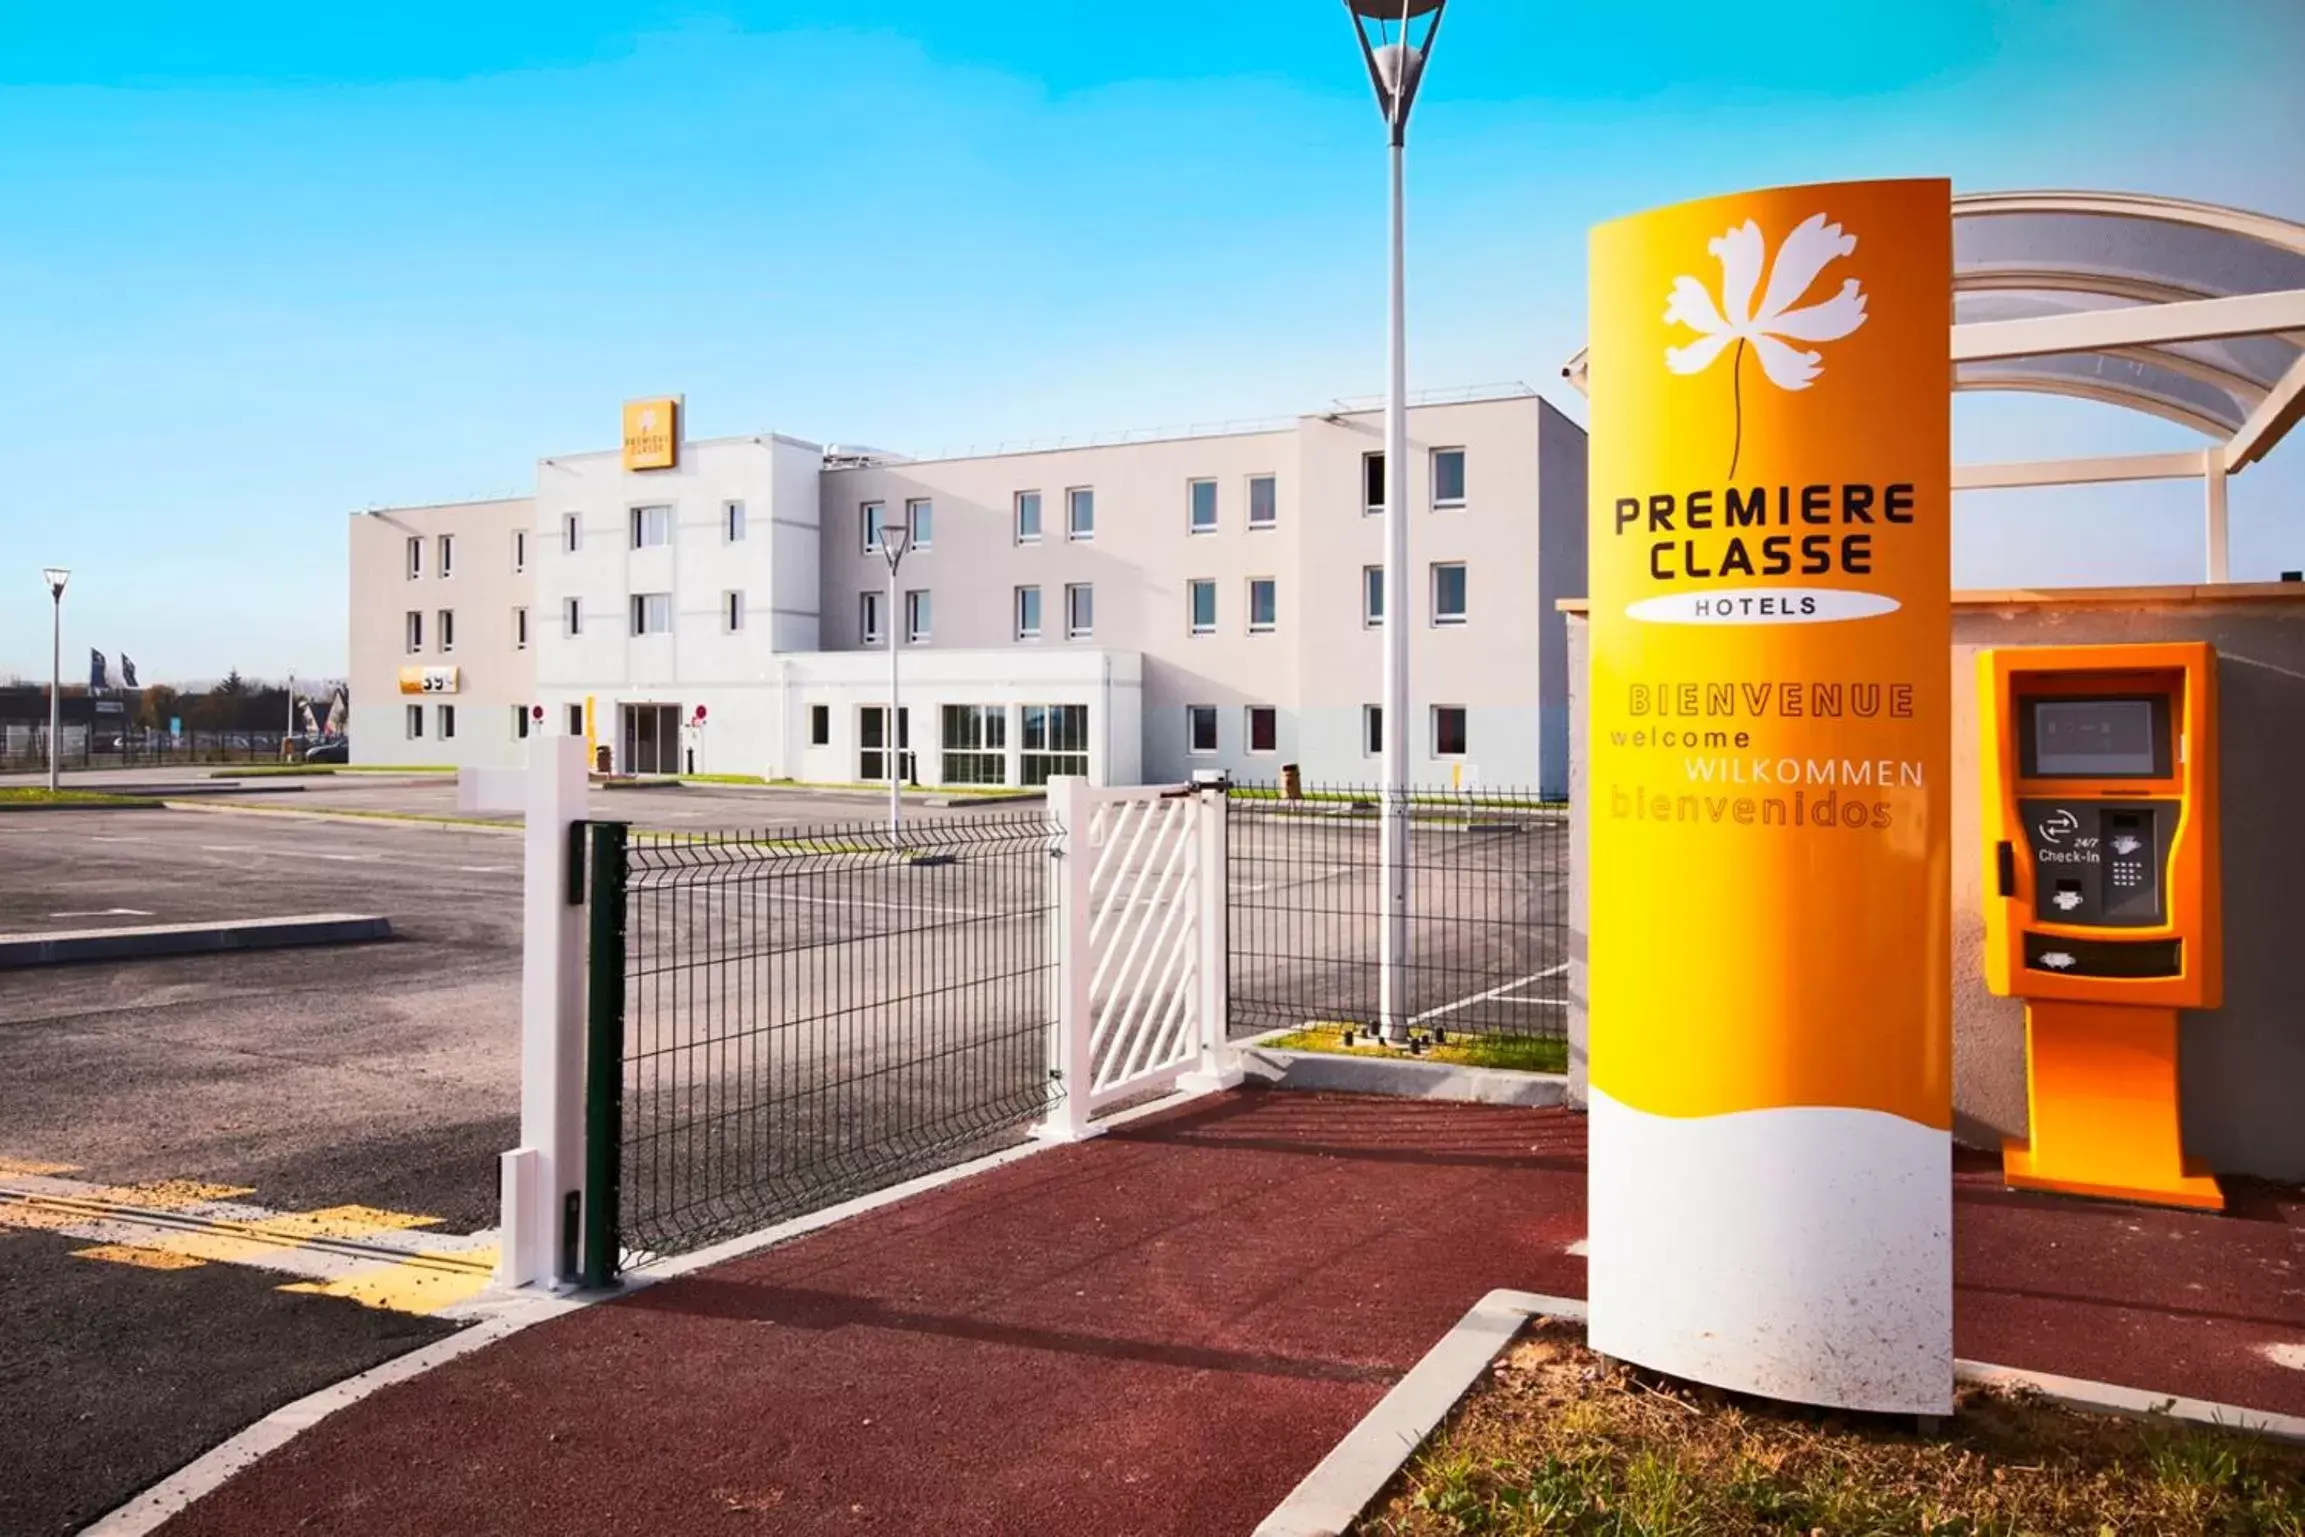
point(1519, 1054)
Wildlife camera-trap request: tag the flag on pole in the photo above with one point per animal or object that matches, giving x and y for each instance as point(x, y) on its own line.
point(335, 725)
point(311, 726)
point(127, 671)
point(96, 671)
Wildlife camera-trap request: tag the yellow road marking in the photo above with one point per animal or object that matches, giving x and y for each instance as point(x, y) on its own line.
point(171, 1194)
point(419, 1286)
point(132, 1254)
point(34, 1166)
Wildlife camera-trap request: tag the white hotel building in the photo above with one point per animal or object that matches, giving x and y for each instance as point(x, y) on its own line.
point(1133, 611)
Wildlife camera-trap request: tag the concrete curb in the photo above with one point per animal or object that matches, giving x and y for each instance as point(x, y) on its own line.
point(395, 819)
point(1331, 1072)
point(507, 1313)
point(19, 808)
point(1329, 1499)
point(1332, 1496)
point(148, 940)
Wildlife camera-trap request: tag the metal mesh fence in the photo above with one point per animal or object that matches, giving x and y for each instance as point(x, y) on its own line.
point(25, 748)
point(1488, 910)
point(811, 1016)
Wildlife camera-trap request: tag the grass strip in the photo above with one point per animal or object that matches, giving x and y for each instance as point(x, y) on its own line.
point(22, 797)
point(1514, 1053)
point(1554, 1440)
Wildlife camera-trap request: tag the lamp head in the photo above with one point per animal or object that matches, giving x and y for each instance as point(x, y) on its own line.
point(1396, 39)
point(55, 577)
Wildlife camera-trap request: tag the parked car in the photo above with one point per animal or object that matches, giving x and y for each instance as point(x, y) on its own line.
point(338, 751)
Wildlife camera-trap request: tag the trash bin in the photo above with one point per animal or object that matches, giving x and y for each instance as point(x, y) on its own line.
point(1292, 783)
point(600, 759)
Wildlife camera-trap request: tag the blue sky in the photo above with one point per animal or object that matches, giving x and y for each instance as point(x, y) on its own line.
point(261, 265)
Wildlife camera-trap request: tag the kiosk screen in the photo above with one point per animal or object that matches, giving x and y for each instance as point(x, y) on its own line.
point(2095, 739)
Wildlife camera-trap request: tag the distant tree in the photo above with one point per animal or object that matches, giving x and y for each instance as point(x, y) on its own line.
point(161, 704)
point(233, 685)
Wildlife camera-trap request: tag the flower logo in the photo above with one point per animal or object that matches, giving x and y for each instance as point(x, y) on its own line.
point(1807, 251)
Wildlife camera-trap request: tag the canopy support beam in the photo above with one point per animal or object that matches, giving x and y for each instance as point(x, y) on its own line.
point(2279, 411)
point(2214, 530)
point(2139, 325)
point(2077, 472)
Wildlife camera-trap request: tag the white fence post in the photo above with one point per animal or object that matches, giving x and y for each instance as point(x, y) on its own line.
point(1219, 1064)
point(538, 1176)
point(1068, 1117)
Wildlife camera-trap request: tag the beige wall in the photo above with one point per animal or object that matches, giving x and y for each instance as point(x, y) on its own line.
point(483, 591)
point(2242, 1066)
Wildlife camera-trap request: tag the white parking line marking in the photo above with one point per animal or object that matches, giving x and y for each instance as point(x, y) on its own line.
point(106, 912)
point(482, 869)
point(1496, 994)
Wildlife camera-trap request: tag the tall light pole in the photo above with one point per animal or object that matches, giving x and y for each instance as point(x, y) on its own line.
point(56, 577)
point(1396, 56)
point(894, 541)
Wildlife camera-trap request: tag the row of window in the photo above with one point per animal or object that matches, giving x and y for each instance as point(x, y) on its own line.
point(444, 548)
point(1447, 722)
point(647, 528)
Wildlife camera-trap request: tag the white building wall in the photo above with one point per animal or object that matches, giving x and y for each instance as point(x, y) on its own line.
point(484, 590)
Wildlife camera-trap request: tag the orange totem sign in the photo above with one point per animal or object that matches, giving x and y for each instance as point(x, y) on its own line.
point(1770, 704)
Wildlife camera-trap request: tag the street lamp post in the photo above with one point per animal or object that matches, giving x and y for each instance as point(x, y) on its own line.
point(56, 577)
point(1396, 56)
point(894, 541)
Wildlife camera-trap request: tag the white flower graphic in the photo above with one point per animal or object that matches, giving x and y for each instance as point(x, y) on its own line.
point(1741, 251)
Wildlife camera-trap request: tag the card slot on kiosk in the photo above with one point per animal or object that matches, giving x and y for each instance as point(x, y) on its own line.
point(2101, 901)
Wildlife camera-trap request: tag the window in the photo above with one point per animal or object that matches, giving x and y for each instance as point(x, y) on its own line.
point(415, 722)
point(920, 517)
point(1372, 729)
point(1080, 513)
point(1201, 514)
point(415, 632)
point(571, 532)
point(1448, 477)
point(732, 522)
point(415, 556)
point(447, 554)
point(1055, 742)
point(447, 630)
point(1079, 611)
point(820, 725)
point(520, 722)
point(1201, 605)
point(1264, 604)
point(869, 617)
point(1264, 501)
point(519, 550)
point(872, 517)
point(520, 629)
point(1449, 593)
point(1028, 517)
point(1264, 728)
point(1028, 613)
point(651, 526)
point(447, 713)
point(1200, 728)
point(732, 612)
point(576, 720)
point(651, 613)
point(975, 744)
point(1373, 482)
point(1448, 731)
point(572, 615)
point(1372, 596)
point(872, 744)
point(916, 616)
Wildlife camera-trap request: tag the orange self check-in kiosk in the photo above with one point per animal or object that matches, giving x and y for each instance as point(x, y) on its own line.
point(2101, 901)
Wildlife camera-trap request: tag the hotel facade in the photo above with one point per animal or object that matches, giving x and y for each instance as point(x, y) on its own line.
point(1132, 611)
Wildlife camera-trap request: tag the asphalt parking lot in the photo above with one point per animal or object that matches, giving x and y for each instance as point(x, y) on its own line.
point(202, 1158)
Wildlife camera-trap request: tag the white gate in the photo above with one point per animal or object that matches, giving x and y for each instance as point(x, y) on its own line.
point(1140, 936)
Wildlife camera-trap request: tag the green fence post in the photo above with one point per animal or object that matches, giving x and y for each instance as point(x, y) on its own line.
point(604, 1057)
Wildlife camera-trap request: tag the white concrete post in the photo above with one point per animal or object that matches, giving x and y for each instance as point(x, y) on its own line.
point(2213, 480)
point(1068, 1118)
point(1219, 1067)
point(548, 1166)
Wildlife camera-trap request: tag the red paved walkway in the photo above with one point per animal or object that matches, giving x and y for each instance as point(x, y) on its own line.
point(1156, 1332)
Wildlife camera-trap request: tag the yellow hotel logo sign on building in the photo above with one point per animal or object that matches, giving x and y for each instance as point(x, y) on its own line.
point(652, 433)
